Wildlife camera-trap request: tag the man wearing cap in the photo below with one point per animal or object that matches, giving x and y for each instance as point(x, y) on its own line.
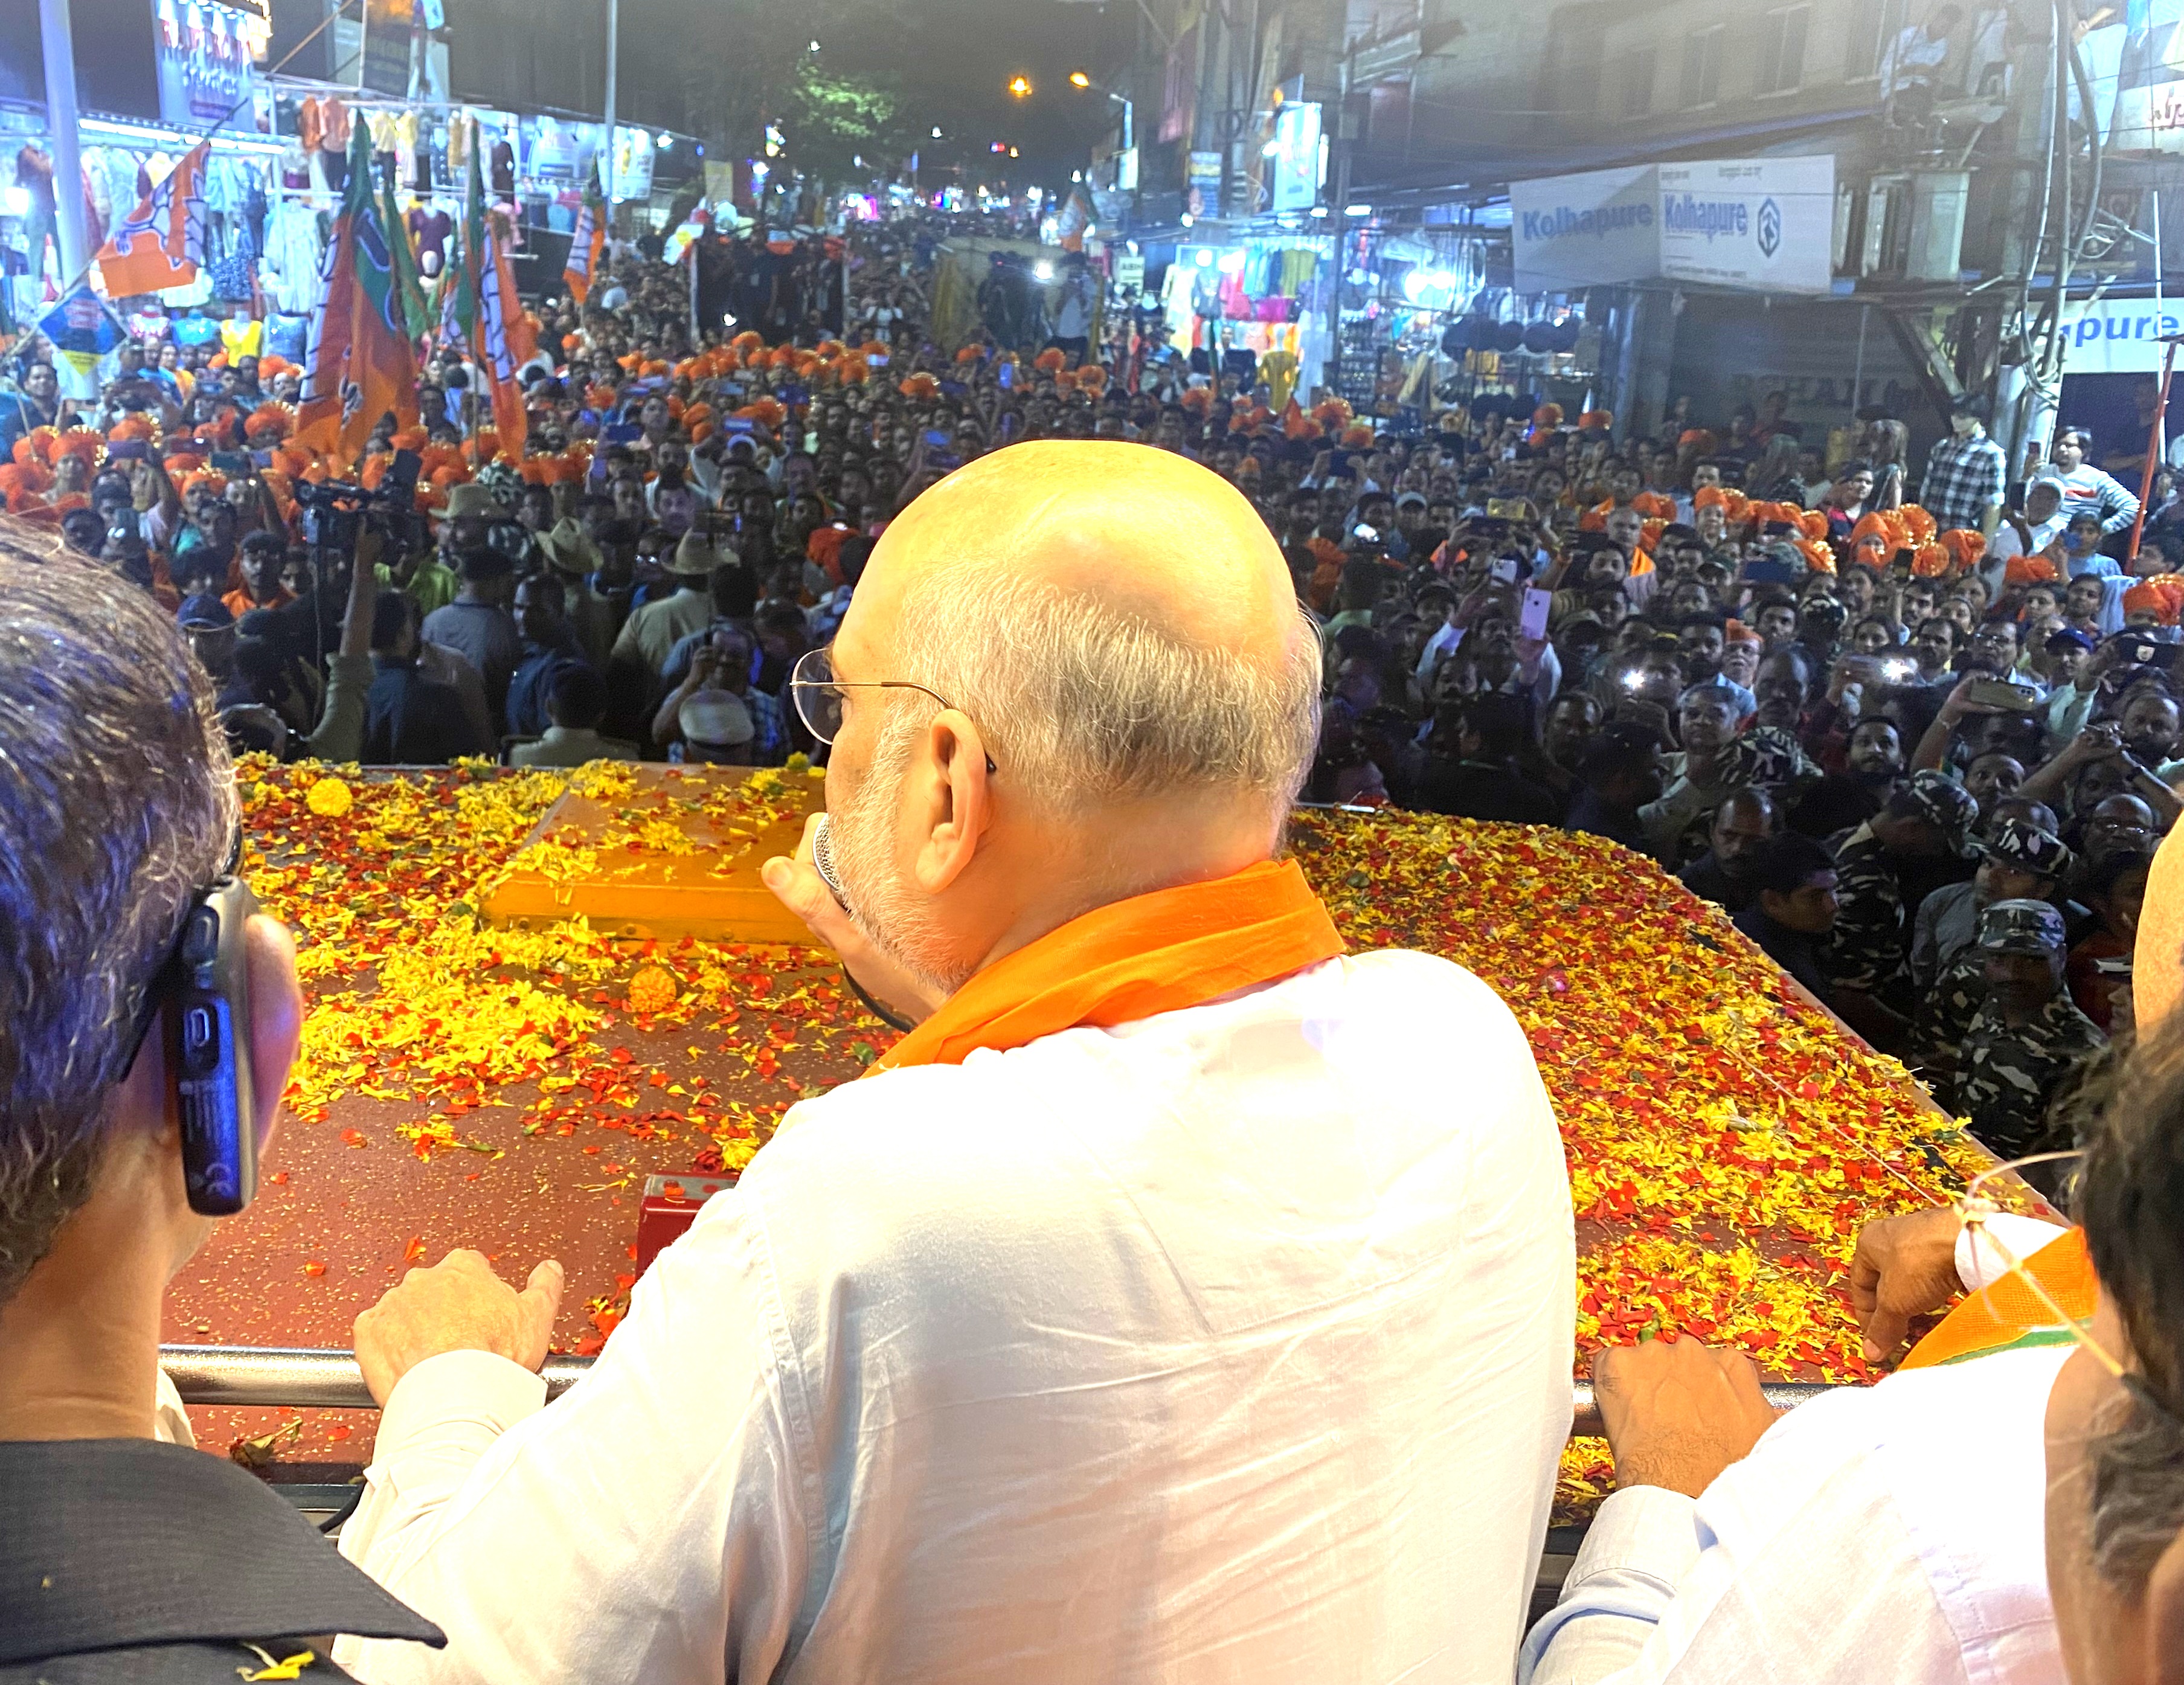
point(2029, 1038)
point(650, 634)
point(1868, 955)
point(2017, 863)
point(2075, 683)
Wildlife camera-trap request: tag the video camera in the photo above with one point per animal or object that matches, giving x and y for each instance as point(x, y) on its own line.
point(336, 510)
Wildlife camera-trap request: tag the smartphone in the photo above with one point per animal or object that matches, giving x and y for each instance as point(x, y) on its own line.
point(2004, 694)
point(209, 1025)
point(1509, 508)
point(1897, 668)
point(936, 437)
point(129, 450)
point(232, 462)
point(1364, 534)
point(1008, 376)
point(1502, 570)
point(1532, 623)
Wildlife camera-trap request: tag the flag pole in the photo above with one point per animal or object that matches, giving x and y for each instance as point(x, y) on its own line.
point(90, 259)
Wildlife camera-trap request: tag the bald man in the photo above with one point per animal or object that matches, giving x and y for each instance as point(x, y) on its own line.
point(1182, 1299)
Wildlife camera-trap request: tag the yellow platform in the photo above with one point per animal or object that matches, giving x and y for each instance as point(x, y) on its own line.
point(649, 852)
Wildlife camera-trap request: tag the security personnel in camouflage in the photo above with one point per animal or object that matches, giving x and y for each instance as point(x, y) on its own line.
point(1868, 953)
point(2028, 1039)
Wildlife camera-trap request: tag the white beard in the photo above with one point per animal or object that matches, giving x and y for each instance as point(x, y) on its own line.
point(881, 903)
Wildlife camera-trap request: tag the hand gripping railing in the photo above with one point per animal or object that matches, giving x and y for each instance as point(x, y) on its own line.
point(301, 1378)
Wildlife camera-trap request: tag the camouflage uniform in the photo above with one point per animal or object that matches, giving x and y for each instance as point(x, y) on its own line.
point(1869, 948)
point(1943, 1019)
point(2007, 1076)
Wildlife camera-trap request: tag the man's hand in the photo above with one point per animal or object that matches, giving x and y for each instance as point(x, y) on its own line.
point(1678, 1413)
point(457, 1305)
point(1904, 1267)
point(796, 884)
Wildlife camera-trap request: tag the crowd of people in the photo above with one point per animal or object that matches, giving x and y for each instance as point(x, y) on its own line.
point(1224, 1340)
point(1860, 704)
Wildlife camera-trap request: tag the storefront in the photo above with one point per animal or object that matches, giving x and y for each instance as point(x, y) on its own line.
point(1256, 303)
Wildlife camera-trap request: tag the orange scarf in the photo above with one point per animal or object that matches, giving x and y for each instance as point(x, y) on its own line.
point(1121, 963)
point(2006, 1316)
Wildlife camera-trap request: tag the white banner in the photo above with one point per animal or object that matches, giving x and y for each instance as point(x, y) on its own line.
point(1757, 224)
point(1573, 231)
point(1763, 225)
point(2118, 335)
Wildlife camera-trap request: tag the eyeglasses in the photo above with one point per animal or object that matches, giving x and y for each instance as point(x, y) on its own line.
point(1974, 1206)
point(820, 698)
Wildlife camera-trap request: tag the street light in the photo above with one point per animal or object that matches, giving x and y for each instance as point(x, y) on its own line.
point(1021, 87)
point(1085, 84)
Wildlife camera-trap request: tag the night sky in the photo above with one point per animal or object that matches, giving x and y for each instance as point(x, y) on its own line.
point(954, 59)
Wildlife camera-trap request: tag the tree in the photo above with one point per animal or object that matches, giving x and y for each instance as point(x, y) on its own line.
point(829, 120)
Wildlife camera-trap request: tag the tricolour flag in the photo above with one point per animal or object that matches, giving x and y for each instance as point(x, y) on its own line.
point(585, 245)
point(162, 242)
point(360, 364)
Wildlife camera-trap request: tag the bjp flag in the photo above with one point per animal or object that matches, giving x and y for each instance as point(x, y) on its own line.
point(488, 311)
point(585, 245)
point(162, 242)
point(360, 363)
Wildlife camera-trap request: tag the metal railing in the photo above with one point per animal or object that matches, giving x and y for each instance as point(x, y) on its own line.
point(302, 1379)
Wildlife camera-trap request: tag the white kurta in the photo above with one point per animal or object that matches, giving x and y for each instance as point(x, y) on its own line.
point(1230, 1345)
point(1883, 1536)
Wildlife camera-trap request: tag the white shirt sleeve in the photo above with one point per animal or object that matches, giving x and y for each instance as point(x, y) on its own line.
point(1981, 1266)
point(601, 1538)
point(1798, 1552)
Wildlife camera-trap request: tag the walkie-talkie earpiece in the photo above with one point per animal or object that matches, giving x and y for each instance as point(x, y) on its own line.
point(208, 1017)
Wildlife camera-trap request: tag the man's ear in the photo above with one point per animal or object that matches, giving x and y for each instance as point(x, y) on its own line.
point(953, 797)
point(276, 1016)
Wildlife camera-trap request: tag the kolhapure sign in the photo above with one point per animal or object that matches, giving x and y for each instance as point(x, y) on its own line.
point(1761, 224)
point(2118, 335)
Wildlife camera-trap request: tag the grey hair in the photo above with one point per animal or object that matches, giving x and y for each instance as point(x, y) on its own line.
point(117, 804)
point(2129, 1196)
point(1087, 702)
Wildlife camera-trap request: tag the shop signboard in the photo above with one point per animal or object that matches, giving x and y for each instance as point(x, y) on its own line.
point(205, 64)
point(1573, 232)
point(2118, 335)
point(388, 34)
point(1763, 225)
point(1756, 224)
point(1201, 195)
point(1130, 274)
point(1300, 158)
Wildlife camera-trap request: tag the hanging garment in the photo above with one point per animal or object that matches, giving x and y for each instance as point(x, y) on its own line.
point(242, 338)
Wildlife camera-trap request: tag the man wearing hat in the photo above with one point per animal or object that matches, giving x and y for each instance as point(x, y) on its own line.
point(1868, 953)
point(573, 556)
point(477, 626)
point(2029, 1039)
point(464, 524)
point(718, 728)
point(650, 634)
point(2017, 863)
